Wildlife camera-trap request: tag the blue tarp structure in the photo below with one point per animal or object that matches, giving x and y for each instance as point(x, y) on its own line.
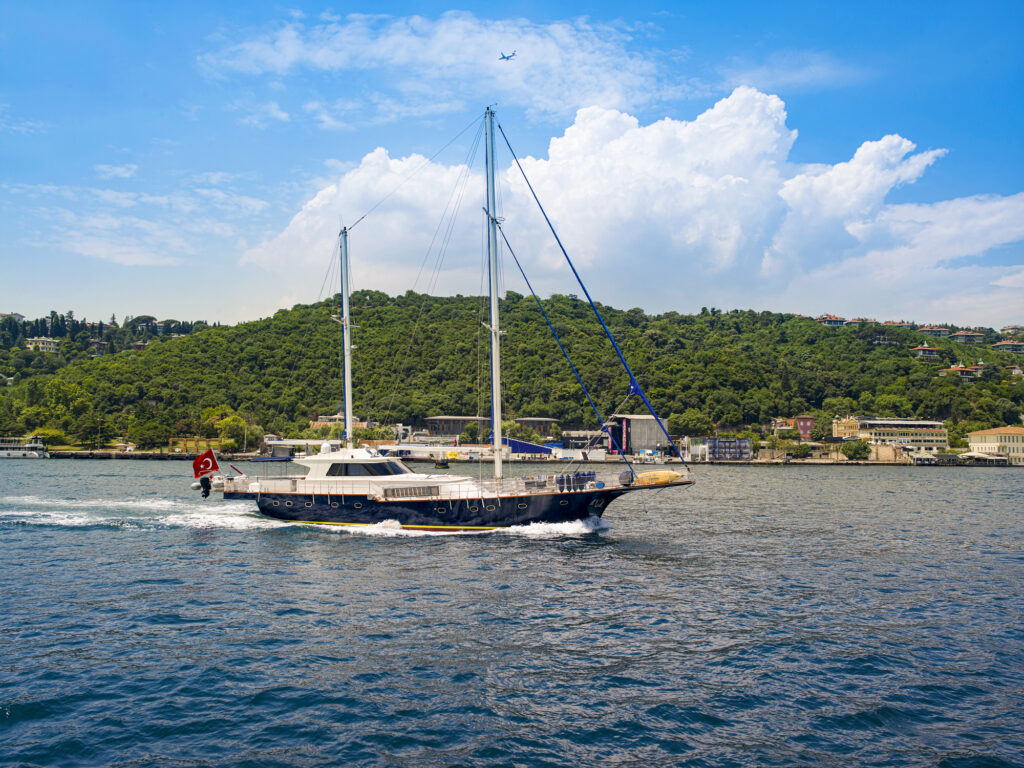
point(521, 446)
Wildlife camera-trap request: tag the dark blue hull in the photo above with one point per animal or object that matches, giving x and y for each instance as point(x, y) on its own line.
point(435, 514)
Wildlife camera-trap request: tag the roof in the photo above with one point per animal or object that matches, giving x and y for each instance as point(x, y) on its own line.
point(478, 418)
point(923, 347)
point(966, 333)
point(998, 431)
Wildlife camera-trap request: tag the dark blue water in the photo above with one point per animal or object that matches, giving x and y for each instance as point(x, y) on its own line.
point(787, 616)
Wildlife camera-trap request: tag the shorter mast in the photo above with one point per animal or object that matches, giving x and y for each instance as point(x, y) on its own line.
point(492, 269)
point(346, 326)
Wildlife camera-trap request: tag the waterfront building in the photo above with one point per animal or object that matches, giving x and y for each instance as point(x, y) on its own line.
point(636, 432)
point(934, 330)
point(911, 434)
point(542, 426)
point(925, 351)
point(718, 448)
point(583, 438)
point(43, 344)
point(1010, 346)
point(455, 425)
point(831, 320)
point(803, 424)
point(1001, 441)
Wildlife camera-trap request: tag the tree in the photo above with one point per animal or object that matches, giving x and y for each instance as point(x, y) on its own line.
point(856, 450)
point(801, 451)
point(691, 422)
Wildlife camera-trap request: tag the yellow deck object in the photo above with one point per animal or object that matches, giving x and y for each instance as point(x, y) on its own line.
point(658, 477)
point(452, 455)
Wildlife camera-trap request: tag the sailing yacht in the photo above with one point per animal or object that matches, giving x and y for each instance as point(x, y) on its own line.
point(351, 486)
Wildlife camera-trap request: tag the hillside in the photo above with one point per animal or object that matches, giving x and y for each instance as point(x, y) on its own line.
point(420, 356)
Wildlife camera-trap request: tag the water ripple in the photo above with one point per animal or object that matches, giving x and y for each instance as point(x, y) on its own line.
point(853, 617)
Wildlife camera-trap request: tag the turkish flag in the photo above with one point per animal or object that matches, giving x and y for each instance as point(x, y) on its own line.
point(205, 463)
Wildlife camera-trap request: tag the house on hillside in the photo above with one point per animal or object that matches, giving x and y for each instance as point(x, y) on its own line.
point(967, 337)
point(43, 344)
point(934, 330)
point(964, 372)
point(1010, 346)
point(1012, 330)
point(833, 321)
point(925, 351)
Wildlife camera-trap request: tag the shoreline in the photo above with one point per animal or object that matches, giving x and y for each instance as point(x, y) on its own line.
point(640, 466)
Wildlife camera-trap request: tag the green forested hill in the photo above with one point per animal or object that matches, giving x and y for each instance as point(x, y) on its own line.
point(420, 356)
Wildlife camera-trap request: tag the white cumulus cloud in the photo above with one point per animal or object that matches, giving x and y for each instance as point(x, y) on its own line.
point(679, 214)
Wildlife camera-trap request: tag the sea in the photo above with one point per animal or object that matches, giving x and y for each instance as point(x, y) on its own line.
point(765, 616)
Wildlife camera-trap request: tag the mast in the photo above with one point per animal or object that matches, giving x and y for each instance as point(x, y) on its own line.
point(492, 269)
point(346, 326)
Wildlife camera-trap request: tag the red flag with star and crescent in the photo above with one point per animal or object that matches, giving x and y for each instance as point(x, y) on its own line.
point(205, 463)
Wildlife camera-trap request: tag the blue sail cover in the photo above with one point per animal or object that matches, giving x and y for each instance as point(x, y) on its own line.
point(521, 446)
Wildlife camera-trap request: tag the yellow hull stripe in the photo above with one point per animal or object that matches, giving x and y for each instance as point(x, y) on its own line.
point(406, 527)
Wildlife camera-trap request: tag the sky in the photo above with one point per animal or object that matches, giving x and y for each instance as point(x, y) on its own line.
point(195, 160)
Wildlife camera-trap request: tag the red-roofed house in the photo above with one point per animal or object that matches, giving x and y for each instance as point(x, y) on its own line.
point(967, 337)
point(1010, 346)
point(934, 330)
point(925, 351)
point(832, 320)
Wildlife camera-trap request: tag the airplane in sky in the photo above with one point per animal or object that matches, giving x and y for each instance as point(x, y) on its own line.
point(503, 57)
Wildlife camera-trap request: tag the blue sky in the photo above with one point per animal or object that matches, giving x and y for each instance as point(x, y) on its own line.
point(193, 160)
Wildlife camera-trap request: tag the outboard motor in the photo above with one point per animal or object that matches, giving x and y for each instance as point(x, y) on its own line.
point(626, 477)
point(205, 484)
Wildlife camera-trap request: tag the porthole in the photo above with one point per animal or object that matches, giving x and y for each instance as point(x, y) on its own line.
point(277, 503)
point(357, 505)
point(440, 510)
point(287, 503)
point(490, 507)
point(522, 506)
point(334, 504)
point(564, 503)
point(309, 503)
point(474, 509)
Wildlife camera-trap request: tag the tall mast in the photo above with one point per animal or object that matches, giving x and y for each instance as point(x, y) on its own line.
point(346, 326)
point(492, 269)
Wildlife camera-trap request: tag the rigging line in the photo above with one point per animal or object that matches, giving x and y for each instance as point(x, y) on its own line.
point(304, 344)
point(457, 194)
point(411, 175)
point(633, 383)
point(564, 352)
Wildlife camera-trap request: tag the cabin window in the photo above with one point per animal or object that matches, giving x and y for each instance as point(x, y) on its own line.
point(376, 469)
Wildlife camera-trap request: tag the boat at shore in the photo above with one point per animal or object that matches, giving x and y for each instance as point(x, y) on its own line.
point(23, 448)
point(347, 485)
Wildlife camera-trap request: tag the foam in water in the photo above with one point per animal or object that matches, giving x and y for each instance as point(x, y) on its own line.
point(191, 513)
point(132, 513)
